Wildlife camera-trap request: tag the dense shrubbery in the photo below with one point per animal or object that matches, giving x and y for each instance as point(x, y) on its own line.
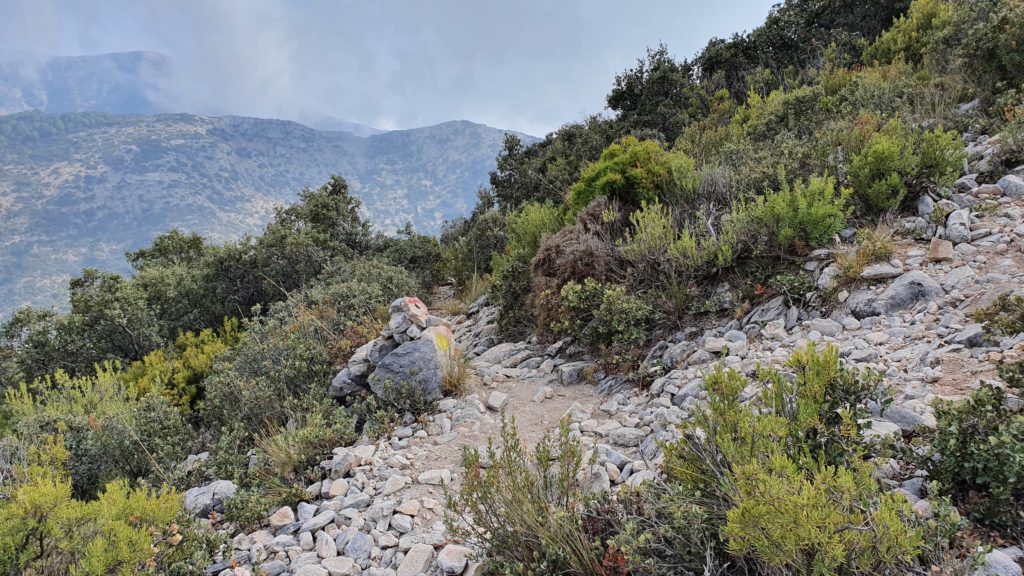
point(780, 485)
point(222, 348)
point(976, 455)
point(635, 173)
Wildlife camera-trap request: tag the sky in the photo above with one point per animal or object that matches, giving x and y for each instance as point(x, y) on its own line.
point(529, 66)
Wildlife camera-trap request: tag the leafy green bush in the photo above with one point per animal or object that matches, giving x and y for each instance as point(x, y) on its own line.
point(785, 477)
point(799, 218)
point(941, 157)
point(1004, 316)
point(523, 509)
point(662, 253)
point(634, 173)
point(524, 230)
point(880, 171)
point(912, 35)
point(44, 530)
point(603, 314)
point(871, 244)
point(178, 372)
point(109, 432)
point(976, 454)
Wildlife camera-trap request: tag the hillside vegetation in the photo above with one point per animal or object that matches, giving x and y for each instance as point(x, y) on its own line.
point(702, 196)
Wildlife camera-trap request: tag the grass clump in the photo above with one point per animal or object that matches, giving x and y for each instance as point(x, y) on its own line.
point(872, 244)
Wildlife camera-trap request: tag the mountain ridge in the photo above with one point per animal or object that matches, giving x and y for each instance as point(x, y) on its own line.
point(80, 189)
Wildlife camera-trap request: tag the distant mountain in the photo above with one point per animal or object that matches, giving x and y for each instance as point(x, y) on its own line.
point(81, 189)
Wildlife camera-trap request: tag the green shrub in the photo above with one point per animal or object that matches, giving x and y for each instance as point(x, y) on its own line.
point(662, 253)
point(1012, 374)
point(785, 477)
point(634, 173)
point(179, 371)
point(510, 292)
point(603, 314)
point(663, 531)
point(248, 510)
point(941, 157)
point(523, 510)
point(976, 454)
point(1004, 316)
point(872, 244)
point(912, 34)
point(813, 518)
point(524, 231)
point(799, 218)
point(880, 171)
point(44, 530)
point(110, 433)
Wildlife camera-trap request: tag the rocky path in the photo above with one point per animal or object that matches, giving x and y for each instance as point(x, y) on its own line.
point(380, 510)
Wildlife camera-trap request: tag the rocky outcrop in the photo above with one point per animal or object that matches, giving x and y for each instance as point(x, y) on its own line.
point(407, 357)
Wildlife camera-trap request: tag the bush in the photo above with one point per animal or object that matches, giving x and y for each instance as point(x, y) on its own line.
point(634, 173)
point(524, 231)
point(524, 510)
point(799, 218)
point(880, 171)
point(941, 157)
point(179, 371)
point(872, 244)
point(912, 35)
point(660, 253)
point(976, 454)
point(1004, 316)
point(603, 314)
point(110, 433)
point(45, 531)
point(785, 476)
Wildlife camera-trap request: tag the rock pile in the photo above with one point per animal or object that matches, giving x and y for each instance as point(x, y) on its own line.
point(409, 353)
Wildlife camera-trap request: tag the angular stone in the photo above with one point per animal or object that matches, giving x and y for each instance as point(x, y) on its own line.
point(939, 250)
point(319, 521)
point(627, 437)
point(393, 484)
point(958, 226)
point(907, 290)
point(202, 500)
point(453, 559)
point(312, 570)
point(359, 546)
point(1011, 185)
point(325, 547)
point(339, 566)
point(880, 271)
point(417, 560)
point(497, 400)
point(435, 477)
point(572, 373)
point(414, 367)
point(283, 517)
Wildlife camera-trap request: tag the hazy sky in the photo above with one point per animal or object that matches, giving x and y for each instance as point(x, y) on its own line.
point(529, 66)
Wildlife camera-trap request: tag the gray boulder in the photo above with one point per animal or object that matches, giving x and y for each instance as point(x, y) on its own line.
point(1012, 186)
point(414, 366)
point(958, 226)
point(907, 290)
point(202, 500)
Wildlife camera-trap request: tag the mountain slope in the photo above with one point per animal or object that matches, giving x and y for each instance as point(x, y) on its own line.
point(80, 189)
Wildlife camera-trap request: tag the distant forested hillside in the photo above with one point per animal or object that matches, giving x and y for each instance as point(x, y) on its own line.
point(81, 189)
